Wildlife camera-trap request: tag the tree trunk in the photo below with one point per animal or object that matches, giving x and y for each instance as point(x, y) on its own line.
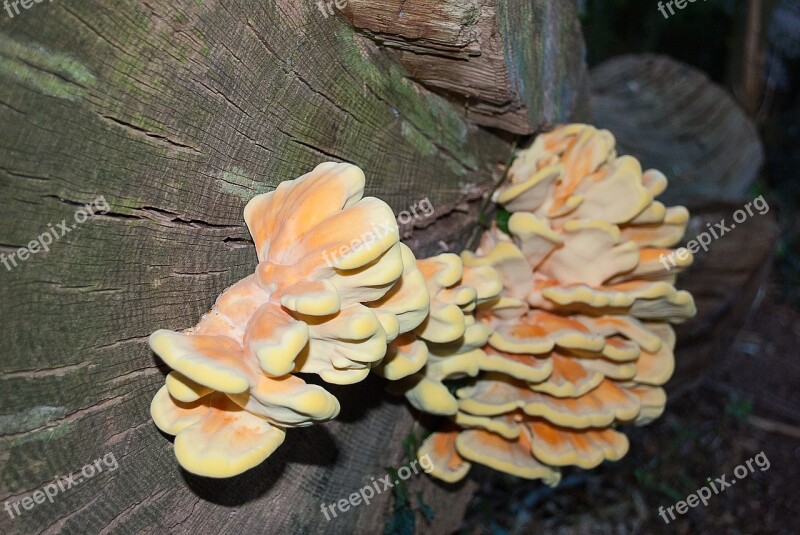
point(177, 113)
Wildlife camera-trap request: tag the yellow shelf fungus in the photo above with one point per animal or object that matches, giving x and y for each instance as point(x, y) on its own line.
point(557, 330)
point(580, 339)
point(333, 287)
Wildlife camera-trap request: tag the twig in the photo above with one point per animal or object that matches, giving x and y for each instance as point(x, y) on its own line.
point(772, 426)
point(478, 230)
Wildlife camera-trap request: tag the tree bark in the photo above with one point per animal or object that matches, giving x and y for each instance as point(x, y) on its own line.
point(177, 113)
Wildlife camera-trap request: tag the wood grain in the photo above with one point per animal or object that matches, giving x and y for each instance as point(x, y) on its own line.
point(672, 117)
point(177, 113)
point(516, 66)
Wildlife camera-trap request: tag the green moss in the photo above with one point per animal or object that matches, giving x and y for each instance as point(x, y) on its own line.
point(420, 143)
point(43, 70)
point(472, 16)
point(235, 182)
point(404, 512)
point(125, 72)
point(34, 418)
point(436, 120)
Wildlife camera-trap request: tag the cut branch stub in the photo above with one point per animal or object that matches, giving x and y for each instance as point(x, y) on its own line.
point(659, 108)
point(487, 56)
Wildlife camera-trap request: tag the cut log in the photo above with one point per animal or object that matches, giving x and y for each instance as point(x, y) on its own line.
point(516, 66)
point(672, 117)
point(176, 113)
point(727, 282)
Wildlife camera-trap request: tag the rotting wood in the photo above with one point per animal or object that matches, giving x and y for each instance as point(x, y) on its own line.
point(177, 113)
point(516, 66)
point(659, 108)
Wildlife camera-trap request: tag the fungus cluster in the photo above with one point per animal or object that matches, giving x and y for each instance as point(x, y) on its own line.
point(578, 339)
point(332, 288)
point(534, 347)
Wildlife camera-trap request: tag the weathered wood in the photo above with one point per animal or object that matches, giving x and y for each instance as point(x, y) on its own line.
point(177, 113)
point(516, 66)
point(672, 117)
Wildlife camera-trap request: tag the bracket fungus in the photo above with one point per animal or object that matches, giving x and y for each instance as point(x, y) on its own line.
point(451, 336)
point(333, 287)
point(534, 348)
point(580, 338)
